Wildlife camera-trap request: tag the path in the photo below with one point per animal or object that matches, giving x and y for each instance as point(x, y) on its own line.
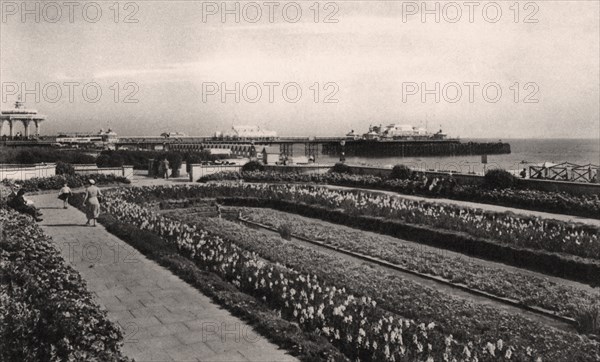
point(163, 318)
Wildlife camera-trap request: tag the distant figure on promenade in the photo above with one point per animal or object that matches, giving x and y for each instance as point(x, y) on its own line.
point(93, 204)
point(218, 207)
point(19, 203)
point(165, 168)
point(160, 171)
point(523, 173)
point(64, 195)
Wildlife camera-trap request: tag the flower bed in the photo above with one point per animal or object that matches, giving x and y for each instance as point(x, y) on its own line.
point(556, 264)
point(320, 293)
point(46, 313)
point(57, 182)
point(555, 202)
point(528, 289)
point(506, 228)
point(464, 320)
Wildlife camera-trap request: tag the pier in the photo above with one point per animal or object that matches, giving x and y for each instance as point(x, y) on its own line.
point(319, 146)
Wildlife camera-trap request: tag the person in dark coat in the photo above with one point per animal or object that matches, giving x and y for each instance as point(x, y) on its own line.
point(19, 204)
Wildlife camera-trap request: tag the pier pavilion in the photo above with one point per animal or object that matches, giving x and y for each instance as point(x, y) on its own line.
point(28, 117)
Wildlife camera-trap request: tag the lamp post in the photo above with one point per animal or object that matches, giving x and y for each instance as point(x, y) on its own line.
point(342, 154)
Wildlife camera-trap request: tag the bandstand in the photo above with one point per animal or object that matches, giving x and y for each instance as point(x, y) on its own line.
point(26, 116)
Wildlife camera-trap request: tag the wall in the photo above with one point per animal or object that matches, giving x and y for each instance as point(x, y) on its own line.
point(197, 170)
point(580, 188)
point(26, 172)
point(124, 171)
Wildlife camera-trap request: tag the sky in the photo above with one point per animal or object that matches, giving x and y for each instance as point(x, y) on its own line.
point(306, 68)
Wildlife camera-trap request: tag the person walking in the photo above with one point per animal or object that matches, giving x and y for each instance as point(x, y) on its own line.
point(93, 204)
point(64, 195)
point(165, 166)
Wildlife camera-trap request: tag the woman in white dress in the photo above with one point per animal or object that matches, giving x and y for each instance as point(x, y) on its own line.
point(93, 204)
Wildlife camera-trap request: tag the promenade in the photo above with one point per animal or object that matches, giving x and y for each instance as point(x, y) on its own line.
point(163, 318)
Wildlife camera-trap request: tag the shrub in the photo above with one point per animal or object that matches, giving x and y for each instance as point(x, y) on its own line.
point(253, 166)
point(110, 159)
point(401, 172)
point(499, 179)
point(341, 168)
point(175, 161)
point(588, 319)
point(285, 230)
point(63, 168)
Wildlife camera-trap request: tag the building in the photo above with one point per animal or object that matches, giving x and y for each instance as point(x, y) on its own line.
point(398, 132)
point(27, 117)
point(246, 132)
point(102, 139)
point(271, 155)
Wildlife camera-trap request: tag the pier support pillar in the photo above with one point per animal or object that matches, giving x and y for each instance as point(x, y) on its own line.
point(26, 126)
point(10, 124)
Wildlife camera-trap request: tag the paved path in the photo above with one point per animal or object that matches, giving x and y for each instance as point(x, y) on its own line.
point(163, 318)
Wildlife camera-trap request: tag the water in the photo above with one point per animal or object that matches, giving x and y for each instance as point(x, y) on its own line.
point(525, 152)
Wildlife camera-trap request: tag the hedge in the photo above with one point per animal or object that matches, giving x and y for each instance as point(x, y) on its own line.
point(73, 181)
point(31, 155)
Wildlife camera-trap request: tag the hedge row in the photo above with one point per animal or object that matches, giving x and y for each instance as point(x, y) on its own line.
point(73, 181)
point(570, 267)
point(46, 312)
point(140, 159)
point(31, 155)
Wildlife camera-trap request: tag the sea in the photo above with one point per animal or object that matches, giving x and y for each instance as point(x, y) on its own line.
point(524, 153)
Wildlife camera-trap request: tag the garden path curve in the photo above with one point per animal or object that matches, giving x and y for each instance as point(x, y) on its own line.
point(163, 318)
